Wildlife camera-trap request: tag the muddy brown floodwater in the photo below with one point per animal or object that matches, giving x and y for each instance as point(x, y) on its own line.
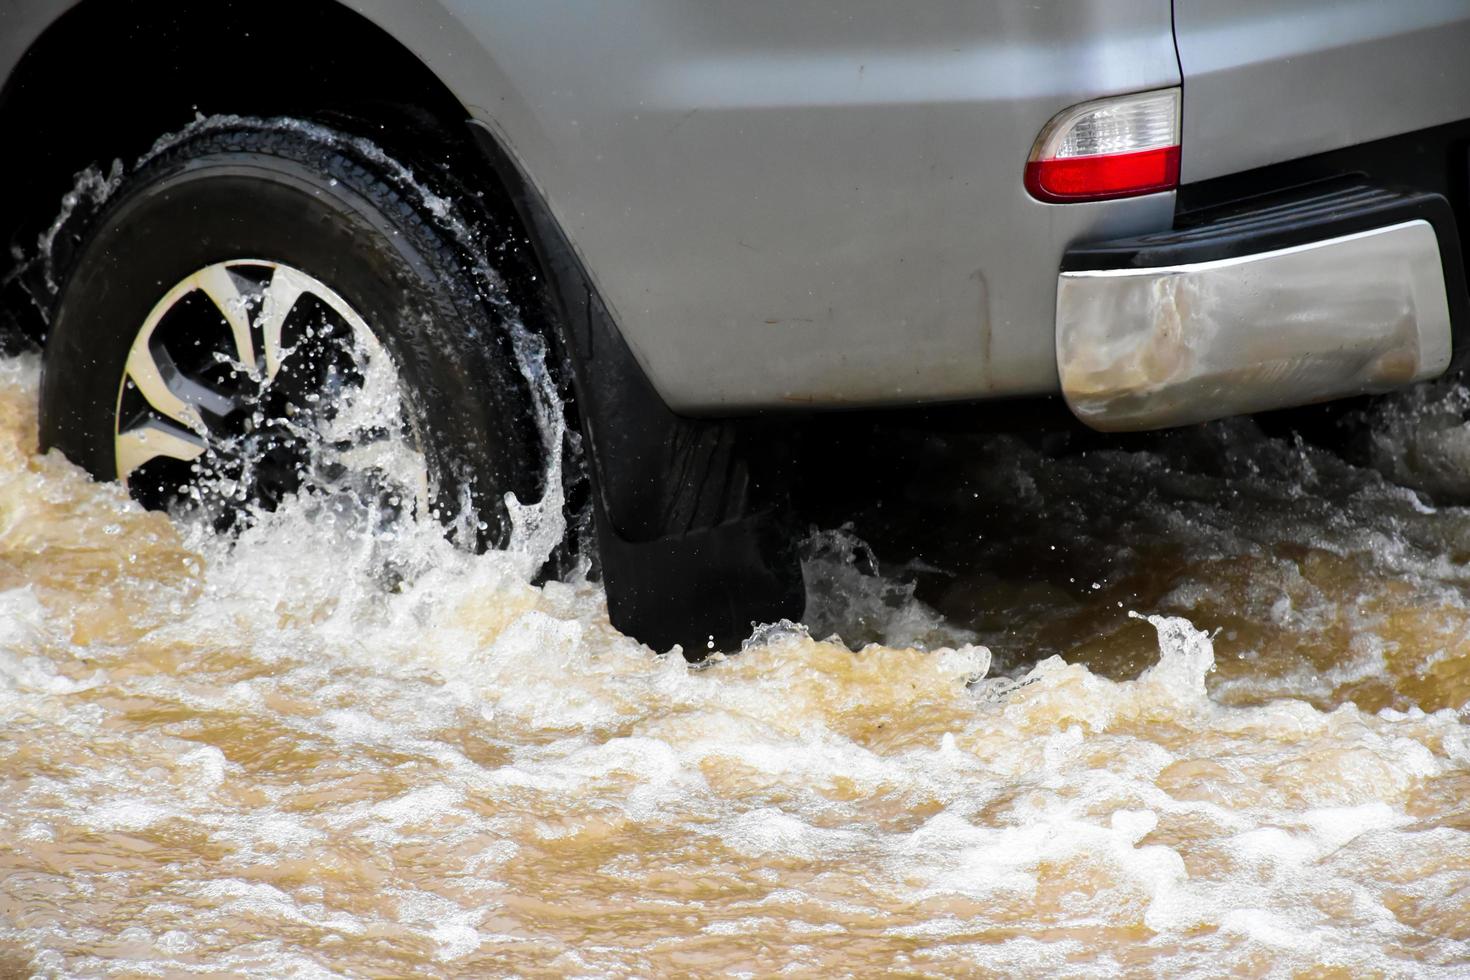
point(259, 759)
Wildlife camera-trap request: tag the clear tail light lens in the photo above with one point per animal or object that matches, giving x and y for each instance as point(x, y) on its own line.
point(1109, 148)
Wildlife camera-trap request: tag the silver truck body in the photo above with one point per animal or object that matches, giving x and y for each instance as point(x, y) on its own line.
point(787, 203)
point(797, 204)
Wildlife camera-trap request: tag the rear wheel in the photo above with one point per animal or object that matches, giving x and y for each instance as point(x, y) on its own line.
point(267, 307)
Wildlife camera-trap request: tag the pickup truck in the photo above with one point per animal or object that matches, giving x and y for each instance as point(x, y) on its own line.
point(611, 249)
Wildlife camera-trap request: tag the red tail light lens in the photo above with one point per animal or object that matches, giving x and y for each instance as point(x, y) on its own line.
point(1098, 178)
point(1117, 147)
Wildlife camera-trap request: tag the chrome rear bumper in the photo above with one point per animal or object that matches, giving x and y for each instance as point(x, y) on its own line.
point(1151, 347)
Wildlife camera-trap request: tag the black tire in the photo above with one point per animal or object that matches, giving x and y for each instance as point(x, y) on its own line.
point(338, 209)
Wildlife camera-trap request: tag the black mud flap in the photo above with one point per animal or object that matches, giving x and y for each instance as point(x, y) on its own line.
point(704, 589)
point(694, 527)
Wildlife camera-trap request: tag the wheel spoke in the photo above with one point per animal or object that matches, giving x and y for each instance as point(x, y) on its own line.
point(222, 290)
point(197, 395)
point(148, 375)
point(171, 392)
point(151, 440)
point(280, 296)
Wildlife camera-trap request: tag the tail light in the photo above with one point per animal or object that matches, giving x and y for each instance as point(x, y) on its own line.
point(1116, 147)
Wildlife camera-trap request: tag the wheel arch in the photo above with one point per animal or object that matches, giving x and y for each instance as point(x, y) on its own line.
point(105, 78)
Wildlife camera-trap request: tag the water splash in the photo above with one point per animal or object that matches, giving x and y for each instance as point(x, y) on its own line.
point(538, 527)
point(259, 759)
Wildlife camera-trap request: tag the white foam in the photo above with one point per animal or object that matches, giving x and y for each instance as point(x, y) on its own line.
point(484, 772)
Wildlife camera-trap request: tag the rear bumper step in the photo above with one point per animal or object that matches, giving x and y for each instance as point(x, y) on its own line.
point(1344, 292)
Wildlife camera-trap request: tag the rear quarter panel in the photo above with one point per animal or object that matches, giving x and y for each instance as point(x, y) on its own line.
point(805, 202)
